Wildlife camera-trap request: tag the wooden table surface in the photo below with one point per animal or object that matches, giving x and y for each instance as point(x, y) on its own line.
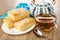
point(53, 35)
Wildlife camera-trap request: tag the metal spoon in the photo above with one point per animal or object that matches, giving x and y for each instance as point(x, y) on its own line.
point(40, 34)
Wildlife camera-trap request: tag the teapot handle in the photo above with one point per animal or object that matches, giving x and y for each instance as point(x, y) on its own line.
point(33, 1)
point(53, 1)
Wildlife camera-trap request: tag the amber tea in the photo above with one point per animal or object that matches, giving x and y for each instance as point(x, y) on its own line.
point(46, 22)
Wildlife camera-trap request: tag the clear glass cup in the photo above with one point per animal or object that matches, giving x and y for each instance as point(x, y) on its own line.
point(46, 22)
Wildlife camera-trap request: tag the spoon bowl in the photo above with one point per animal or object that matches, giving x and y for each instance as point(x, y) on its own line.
point(40, 34)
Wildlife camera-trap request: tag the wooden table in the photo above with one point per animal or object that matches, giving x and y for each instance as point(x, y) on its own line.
point(28, 36)
point(53, 35)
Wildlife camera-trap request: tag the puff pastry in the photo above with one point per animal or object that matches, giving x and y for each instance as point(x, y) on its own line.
point(24, 24)
point(8, 22)
point(18, 14)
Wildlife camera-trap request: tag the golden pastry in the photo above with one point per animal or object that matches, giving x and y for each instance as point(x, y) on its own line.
point(18, 14)
point(8, 22)
point(24, 24)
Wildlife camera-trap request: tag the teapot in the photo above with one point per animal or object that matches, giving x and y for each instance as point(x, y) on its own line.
point(44, 15)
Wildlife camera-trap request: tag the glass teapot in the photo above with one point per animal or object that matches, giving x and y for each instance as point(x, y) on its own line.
point(44, 15)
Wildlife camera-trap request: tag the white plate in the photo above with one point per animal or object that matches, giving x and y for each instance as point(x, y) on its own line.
point(14, 31)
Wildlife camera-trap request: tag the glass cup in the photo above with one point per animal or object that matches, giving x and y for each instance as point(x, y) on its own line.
point(46, 22)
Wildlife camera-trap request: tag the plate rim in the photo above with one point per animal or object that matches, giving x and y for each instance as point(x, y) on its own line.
point(18, 33)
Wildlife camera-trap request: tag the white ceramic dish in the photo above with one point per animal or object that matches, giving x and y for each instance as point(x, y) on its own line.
point(14, 31)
